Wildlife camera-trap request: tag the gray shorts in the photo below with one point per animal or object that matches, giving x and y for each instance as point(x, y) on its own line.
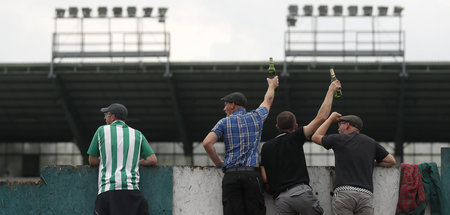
point(352, 202)
point(298, 199)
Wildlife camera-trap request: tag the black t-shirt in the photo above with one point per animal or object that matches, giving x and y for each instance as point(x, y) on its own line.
point(283, 159)
point(354, 156)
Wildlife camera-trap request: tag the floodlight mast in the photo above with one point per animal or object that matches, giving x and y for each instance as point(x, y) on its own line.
point(377, 47)
point(144, 44)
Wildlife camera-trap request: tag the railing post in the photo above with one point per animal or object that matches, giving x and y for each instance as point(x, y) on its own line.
point(445, 178)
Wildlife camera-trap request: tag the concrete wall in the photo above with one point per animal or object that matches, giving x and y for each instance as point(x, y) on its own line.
point(169, 190)
point(199, 190)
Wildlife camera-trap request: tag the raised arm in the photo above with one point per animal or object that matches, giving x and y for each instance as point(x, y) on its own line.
point(208, 144)
point(322, 130)
point(324, 109)
point(270, 94)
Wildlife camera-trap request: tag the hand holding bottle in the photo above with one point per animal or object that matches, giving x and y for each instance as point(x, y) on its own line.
point(338, 92)
point(271, 70)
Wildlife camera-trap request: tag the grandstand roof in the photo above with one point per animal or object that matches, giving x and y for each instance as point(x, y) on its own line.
point(36, 108)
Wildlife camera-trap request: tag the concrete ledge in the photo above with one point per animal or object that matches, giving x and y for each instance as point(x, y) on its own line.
point(198, 190)
point(169, 190)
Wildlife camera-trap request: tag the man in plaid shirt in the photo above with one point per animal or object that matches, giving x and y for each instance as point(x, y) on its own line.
point(242, 188)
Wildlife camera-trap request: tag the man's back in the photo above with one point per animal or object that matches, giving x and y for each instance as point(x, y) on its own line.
point(354, 158)
point(120, 150)
point(284, 161)
point(241, 132)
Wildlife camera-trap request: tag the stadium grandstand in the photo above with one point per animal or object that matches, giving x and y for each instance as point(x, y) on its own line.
point(51, 110)
point(51, 120)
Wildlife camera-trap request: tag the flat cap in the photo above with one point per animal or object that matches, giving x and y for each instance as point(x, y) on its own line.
point(354, 121)
point(236, 97)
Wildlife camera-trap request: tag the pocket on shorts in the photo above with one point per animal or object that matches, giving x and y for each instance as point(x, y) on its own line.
point(316, 206)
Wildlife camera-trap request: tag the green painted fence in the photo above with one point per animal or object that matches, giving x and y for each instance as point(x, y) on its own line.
point(73, 190)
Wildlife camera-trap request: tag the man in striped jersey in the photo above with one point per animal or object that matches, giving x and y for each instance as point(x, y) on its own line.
point(242, 188)
point(118, 150)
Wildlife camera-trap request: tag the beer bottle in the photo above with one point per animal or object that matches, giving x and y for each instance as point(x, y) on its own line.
point(338, 92)
point(271, 70)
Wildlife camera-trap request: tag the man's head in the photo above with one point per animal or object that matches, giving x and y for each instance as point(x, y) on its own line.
point(234, 101)
point(115, 112)
point(286, 121)
point(349, 123)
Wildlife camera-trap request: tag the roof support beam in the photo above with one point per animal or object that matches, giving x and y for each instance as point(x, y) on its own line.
point(399, 134)
point(72, 117)
point(185, 138)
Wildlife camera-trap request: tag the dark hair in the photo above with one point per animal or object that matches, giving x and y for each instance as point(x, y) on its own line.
point(286, 120)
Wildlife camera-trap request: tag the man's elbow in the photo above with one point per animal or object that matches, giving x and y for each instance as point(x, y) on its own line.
point(316, 139)
point(207, 144)
point(93, 161)
point(154, 161)
point(393, 161)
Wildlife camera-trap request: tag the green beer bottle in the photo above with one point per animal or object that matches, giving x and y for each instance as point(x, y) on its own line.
point(338, 92)
point(271, 70)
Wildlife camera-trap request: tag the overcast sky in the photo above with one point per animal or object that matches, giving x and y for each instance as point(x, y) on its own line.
point(219, 30)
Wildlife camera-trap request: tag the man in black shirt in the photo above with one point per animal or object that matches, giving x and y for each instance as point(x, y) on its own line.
point(283, 164)
point(355, 155)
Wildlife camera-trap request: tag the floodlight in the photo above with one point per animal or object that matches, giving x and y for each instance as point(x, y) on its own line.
point(162, 11)
point(291, 20)
point(162, 14)
point(382, 11)
point(293, 10)
point(117, 11)
point(323, 10)
point(60, 12)
point(367, 10)
point(73, 12)
point(337, 10)
point(131, 11)
point(147, 11)
point(352, 10)
point(308, 10)
point(86, 12)
point(102, 11)
point(398, 11)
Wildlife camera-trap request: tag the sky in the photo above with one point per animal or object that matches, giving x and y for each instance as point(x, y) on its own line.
point(219, 30)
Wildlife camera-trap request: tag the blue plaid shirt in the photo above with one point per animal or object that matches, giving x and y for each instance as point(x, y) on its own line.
point(242, 132)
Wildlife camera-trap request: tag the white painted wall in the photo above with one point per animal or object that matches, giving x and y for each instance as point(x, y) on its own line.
point(198, 190)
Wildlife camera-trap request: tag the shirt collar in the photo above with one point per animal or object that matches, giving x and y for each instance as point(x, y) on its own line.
point(281, 134)
point(119, 122)
point(239, 111)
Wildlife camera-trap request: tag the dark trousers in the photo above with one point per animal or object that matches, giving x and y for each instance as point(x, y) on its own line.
point(242, 193)
point(117, 202)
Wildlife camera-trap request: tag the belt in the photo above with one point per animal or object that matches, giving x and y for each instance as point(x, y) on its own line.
point(351, 188)
point(242, 169)
point(292, 186)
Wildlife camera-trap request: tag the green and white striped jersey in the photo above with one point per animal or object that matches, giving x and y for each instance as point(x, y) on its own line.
point(119, 148)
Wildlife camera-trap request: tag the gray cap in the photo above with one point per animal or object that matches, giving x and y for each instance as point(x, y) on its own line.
point(354, 121)
point(236, 97)
point(117, 109)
